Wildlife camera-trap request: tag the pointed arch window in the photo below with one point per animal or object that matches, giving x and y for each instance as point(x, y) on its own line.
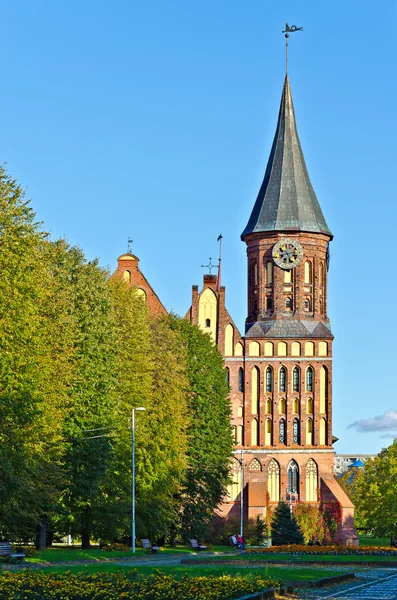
point(311, 481)
point(293, 477)
point(227, 375)
point(296, 379)
point(282, 431)
point(309, 379)
point(268, 406)
point(269, 379)
point(255, 466)
point(288, 303)
point(273, 481)
point(208, 322)
point(307, 305)
point(269, 304)
point(241, 379)
point(295, 431)
point(283, 379)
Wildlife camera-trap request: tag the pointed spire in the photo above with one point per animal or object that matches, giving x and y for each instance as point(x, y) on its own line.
point(286, 199)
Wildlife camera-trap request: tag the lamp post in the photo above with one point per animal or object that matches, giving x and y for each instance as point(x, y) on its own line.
point(140, 408)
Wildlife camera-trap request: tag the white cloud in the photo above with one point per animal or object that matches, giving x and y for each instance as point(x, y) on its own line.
point(385, 422)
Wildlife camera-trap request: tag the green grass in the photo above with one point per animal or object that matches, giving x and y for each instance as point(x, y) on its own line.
point(282, 573)
point(293, 558)
point(62, 554)
point(368, 540)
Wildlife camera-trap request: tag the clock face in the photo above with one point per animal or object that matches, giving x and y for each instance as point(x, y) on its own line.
point(287, 253)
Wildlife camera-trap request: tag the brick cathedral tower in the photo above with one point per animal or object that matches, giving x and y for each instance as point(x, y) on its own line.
point(280, 371)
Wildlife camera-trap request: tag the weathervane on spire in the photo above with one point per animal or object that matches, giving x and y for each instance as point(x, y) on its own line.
point(287, 31)
point(129, 245)
point(210, 266)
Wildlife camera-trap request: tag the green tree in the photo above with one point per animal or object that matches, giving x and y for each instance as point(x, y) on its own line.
point(311, 523)
point(209, 429)
point(88, 419)
point(150, 364)
point(284, 526)
point(32, 382)
point(376, 492)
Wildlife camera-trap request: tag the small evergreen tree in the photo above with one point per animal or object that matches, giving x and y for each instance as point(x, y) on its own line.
point(285, 529)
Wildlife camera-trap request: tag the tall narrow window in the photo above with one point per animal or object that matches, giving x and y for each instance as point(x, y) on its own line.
point(269, 304)
point(283, 377)
point(241, 379)
point(268, 406)
point(309, 432)
point(308, 272)
point(208, 322)
point(282, 431)
point(288, 276)
point(269, 379)
point(288, 304)
point(273, 481)
point(311, 481)
point(295, 431)
point(309, 379)
point(269, 272)
point(227, 376)
point(268, 432)
point(307, 305)
point(296, 378)
point(309, 405)
point(255, 269)
point(127, 276)
point(254, 432)
point(293, 477)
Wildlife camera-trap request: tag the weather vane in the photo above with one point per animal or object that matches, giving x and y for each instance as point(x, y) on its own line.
point(210, 266)
point(129, 245)
point(287, 31)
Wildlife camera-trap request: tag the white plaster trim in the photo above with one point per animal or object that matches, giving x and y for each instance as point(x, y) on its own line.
point(277, 359)
point(286, 451)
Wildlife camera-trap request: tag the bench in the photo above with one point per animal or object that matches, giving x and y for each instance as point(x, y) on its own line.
point(147, 545)
point(196, 546)
point(6, 551)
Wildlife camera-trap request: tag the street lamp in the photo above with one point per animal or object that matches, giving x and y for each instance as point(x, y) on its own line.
point(140, 408)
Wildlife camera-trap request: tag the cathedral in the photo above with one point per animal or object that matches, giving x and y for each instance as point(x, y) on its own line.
point(280, 369)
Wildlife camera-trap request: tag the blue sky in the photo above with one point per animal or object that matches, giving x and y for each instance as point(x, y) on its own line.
point(154, 120)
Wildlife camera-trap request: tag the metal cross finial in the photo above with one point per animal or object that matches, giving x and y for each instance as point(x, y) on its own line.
point(287, 31)
point(129, 245)
point(210, 266)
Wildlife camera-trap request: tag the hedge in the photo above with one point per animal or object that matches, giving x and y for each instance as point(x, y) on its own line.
point(121, 585)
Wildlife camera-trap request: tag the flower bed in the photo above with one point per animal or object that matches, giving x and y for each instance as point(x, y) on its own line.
point(37, 585)
point(330, 550)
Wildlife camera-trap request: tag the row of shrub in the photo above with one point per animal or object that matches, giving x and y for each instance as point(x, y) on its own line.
point(36, 585)
point(332, 550)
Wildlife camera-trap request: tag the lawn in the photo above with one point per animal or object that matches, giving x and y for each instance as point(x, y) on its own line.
point(276, 572)
point(71, 554)
point(294, 558)
point(368, 540)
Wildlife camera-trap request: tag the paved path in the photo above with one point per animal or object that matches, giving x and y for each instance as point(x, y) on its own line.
point(371, 584)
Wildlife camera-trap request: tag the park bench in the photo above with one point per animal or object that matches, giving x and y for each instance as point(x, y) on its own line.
point(147, 545)
point(196, 546)
point(6, 551)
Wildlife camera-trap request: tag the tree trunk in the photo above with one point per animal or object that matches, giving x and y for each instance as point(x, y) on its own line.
point(85, 529)
point(85, 540)
point(41, 534)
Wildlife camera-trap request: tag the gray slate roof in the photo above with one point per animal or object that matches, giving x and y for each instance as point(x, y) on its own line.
point(286, 199)
point(288, 329)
